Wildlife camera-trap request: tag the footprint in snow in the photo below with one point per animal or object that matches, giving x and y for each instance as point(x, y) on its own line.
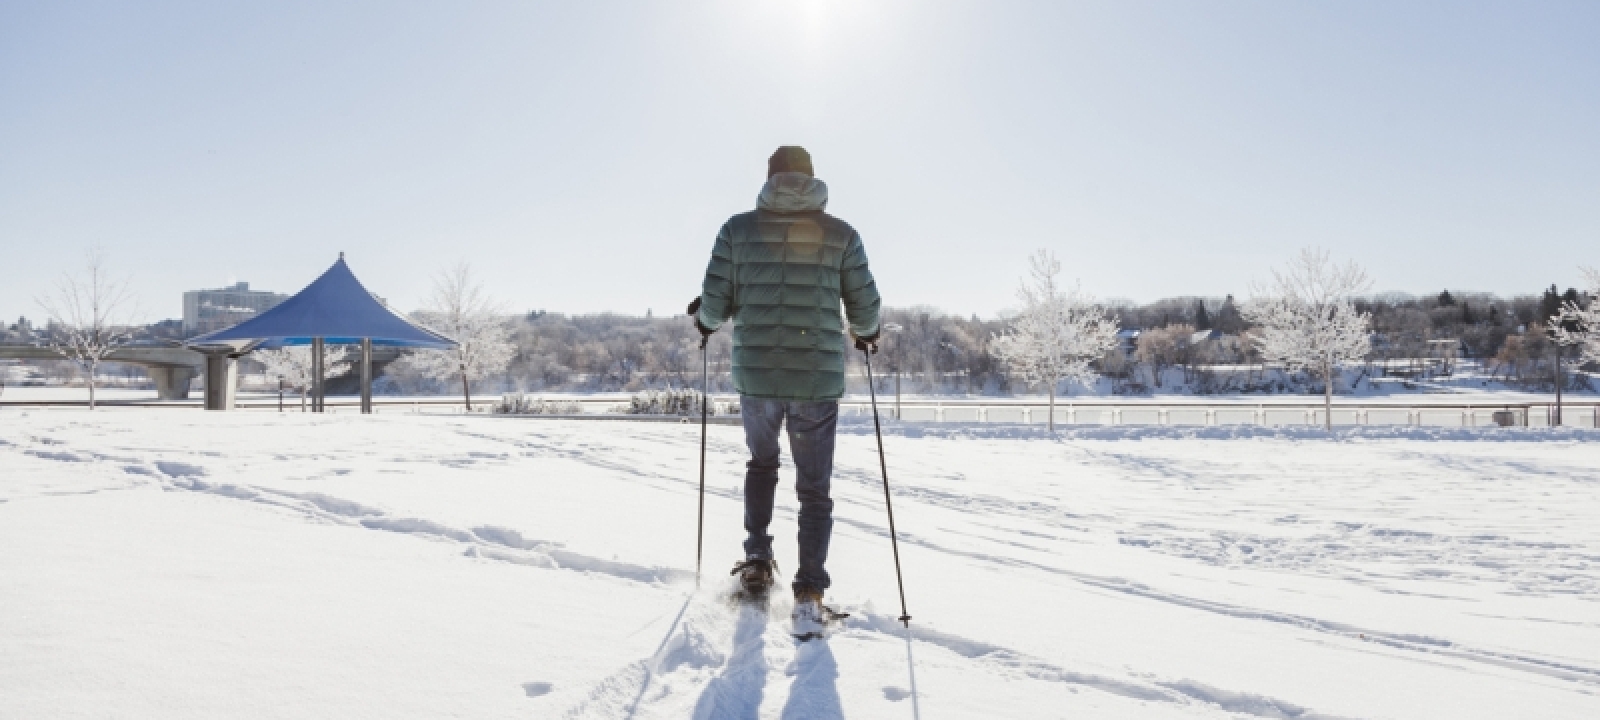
point(535, 689)
point(894, 694)
point(179, 469)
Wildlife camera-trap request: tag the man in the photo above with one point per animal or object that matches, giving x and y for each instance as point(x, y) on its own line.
point(781, 273)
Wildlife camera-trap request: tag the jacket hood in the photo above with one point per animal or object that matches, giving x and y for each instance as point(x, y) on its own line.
point(792, 192)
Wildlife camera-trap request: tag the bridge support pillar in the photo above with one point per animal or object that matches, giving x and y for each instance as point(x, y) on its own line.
point(366, 375)
point(172, 383)
point(222, 375)
point(318, 370)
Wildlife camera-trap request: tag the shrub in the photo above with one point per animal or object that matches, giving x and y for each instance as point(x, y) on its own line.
point(520, 404)
point(668, 402)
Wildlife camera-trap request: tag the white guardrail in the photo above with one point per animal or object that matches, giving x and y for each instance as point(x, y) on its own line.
point(1272, 412)
point(1240, 413)
point(1097, 412)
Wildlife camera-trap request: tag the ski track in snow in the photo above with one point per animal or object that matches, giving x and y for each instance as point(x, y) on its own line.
point(725, 658)
point(1393, 543)
point(716, 662)
point(495, 543)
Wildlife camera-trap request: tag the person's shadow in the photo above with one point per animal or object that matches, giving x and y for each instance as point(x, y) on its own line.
point(736, 693)
point(814, 694)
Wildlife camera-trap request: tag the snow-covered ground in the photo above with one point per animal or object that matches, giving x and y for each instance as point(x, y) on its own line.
point(157, 563)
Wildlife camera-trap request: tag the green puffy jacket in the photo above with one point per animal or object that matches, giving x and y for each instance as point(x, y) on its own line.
point(780, 273)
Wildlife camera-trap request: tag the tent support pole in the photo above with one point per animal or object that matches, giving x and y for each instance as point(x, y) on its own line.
point(316, 375)
point(366, 376)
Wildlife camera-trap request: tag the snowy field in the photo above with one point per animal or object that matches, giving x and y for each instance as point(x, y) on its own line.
point(166, 564)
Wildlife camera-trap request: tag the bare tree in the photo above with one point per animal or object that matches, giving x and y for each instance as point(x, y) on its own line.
point(460, 310)
point(1306, 318)
point(90, 316)
point(1057, 334)
point(1162, 348)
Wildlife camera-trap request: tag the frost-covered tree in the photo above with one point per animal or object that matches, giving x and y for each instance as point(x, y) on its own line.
point(1307, 318)
point(460, 310)
point(292, 365)
point(1057, 333)
point(1578, 326)
point(89, 317)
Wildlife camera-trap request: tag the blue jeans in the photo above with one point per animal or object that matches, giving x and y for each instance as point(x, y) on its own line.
point(811, 435)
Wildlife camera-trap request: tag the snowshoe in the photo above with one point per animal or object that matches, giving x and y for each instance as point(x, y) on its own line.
point(811, 618)
point(756, 576)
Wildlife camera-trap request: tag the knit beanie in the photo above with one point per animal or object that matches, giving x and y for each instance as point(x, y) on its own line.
point(790, 158)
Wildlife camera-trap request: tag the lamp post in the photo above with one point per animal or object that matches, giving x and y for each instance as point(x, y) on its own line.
point(1558, 383)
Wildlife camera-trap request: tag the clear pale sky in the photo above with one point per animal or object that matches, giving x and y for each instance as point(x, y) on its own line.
point(583, 155)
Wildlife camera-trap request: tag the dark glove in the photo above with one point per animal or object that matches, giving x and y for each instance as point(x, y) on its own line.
point(694, 312)
point(867, 343)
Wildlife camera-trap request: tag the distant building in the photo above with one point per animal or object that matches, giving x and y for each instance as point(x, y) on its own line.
point(208, 310)
point(1128, 340)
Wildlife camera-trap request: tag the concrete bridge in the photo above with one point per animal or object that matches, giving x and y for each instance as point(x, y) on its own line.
point(171, 367)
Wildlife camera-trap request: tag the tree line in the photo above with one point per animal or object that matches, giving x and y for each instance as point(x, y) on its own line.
point(1205, 344)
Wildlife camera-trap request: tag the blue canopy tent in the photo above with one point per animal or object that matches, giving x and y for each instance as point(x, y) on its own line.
point(334, 308)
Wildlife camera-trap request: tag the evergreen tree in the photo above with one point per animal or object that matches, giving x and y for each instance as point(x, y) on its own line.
point(1549, 305)
point(1202, 319)
point(1228, 318)
point(1446, 299)
point(1466, 313)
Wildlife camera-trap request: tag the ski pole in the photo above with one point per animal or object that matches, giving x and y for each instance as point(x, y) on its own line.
point(705, 392)
point(888, 504)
